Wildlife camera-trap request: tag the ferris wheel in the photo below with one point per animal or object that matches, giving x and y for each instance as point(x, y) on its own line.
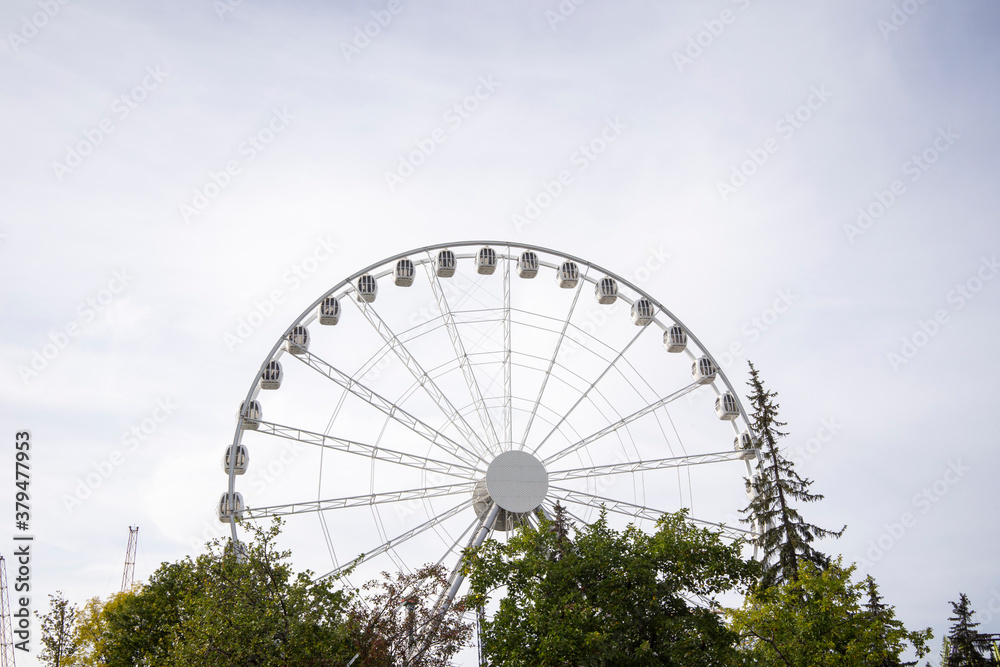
point(450, 393)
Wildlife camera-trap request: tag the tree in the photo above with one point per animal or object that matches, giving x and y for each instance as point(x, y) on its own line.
point(817, 618)
point(397, 622)
point(230, 606)
point(607, 597)
point(968, 648)
point(58, 626)
point(785, 538)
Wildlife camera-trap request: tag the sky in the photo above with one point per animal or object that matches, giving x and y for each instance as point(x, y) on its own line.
point(808, 186)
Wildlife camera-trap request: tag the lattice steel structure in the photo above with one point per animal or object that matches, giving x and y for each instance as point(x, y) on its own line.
point(128, 574)
point(6, 626)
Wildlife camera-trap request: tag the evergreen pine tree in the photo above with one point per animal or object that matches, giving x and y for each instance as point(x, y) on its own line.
point(884, 617)
point(785, 538)
point(967, 645)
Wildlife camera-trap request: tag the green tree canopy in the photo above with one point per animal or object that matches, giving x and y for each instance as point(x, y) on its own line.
point(606, 597)
point(818, 618)
point(229, 606)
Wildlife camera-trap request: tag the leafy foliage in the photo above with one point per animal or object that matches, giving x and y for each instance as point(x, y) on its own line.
point(58, 626)
point(607, 597)
point(397, 622)
point(817, 618)
point(785, 539)
point(227, 607)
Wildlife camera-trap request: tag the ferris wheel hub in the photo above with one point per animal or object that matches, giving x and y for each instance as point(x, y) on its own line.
point(517, 481)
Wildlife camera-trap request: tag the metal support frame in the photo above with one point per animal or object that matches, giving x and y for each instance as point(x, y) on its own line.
point(128, 574)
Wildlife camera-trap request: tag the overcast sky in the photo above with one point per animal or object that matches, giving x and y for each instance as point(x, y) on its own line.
point(820, 177)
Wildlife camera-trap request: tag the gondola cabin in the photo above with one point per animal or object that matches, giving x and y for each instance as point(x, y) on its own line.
point(527, 265)
point(642, 312)
point(239, 462)
point(250, 415)
point(486, 261)
point(703, 371)
point(367, 288)
point(329, 310)
point(445, 264)
point(403, 272)
point(297, 341)
point(606, 291)
point(270, 377)
point(675, 339)
point(725, 406)
point(567, 275)
point(230, 505)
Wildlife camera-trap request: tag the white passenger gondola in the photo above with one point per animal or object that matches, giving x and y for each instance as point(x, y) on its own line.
point(486, 261)
point(642, 312)
point(703, 371)
point(568, 275)
point(606, 290)
point(329, 310)
point(250, 415)
point(367, 288)
point(270, 378)
point(403, 274)
point(725, 406)
point(445, 264)
point(297, 340)
point(239, 462)
point(675, 339)
point(527, 265)
point(230, 505)
point(744, 444)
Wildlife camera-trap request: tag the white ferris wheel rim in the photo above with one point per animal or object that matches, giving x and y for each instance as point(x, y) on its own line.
point(510, 487)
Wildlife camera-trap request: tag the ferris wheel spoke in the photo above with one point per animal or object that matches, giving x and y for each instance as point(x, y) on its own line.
point(422, 378)
point(392, 410)
point(625, 421)
point(360, 501)
point(508, 408)
point(403, 537)
point(366, 450)
point(460, 352)
point(643, 466)
point(590, 388)
point(552, 361)
point(640, 511)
